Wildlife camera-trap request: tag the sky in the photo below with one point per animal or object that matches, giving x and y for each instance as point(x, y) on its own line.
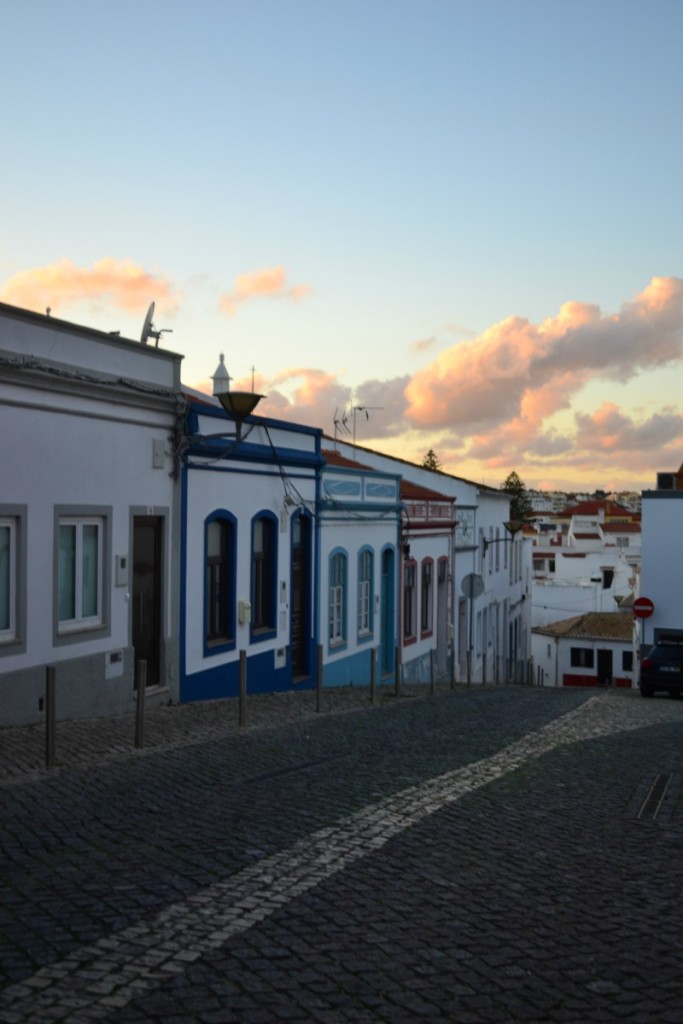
point(455, 225)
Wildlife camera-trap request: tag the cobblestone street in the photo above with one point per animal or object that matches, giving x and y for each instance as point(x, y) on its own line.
point(468, 856)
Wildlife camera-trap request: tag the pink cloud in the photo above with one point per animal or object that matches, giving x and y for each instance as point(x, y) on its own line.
point(123, 283)
point(270, 283)
point(515, 364)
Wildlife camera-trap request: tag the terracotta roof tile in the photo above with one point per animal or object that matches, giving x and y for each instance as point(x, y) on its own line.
point(592, 626)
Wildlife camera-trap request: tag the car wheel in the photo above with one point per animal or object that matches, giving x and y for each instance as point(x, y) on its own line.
point(646, 691)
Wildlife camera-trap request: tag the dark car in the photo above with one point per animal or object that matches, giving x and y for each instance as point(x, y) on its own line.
point(662, 669)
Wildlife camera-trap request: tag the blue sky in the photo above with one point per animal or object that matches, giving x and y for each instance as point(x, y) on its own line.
point(354, 197)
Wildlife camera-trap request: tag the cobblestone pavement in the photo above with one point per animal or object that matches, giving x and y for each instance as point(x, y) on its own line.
point(472, 856)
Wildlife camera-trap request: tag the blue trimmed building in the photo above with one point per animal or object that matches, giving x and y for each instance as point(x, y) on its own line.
point(249, 553)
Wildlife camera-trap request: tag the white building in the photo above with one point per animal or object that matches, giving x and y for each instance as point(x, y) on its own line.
point(88, 518)
point(250, 553)
point(662, 560)
point(594, 649)
point(427, 575)
point(587, 560)
point(359, 516)
point(491, 631)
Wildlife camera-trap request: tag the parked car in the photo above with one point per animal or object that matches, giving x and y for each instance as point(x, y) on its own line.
point(662, 669)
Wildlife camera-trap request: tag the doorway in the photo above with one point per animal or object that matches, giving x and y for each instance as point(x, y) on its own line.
point(387, 612)
point(147, 569)
point(604, 668)
point(300, 585)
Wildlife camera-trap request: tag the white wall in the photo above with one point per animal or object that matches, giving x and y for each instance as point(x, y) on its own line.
point(662, 561)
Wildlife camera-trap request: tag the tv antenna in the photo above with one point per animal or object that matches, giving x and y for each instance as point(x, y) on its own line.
point(367, 409)
point(148, 330)
point(341, 423)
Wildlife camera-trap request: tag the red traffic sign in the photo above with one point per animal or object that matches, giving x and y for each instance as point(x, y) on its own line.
point(643, 607)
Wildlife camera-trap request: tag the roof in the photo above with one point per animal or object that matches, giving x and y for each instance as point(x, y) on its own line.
point(592, 626)
point(587, 536)
point(417, 493)
point(333, 458)
point(591, 508)
point(414, 465)
point(621, 527)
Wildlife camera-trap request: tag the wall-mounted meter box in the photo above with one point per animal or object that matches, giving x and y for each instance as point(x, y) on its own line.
point(244, 612)
point(121, 571)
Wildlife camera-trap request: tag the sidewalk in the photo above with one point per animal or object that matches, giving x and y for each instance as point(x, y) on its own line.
point(89, 741)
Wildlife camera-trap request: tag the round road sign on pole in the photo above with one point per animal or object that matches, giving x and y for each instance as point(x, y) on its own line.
point(643, 607)
point(472, 585)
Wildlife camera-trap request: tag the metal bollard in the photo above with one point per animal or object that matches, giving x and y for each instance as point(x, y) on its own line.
point(373, 675)
point(50, 717)
point(243, 689)
point(319, 684)
point(140, 705)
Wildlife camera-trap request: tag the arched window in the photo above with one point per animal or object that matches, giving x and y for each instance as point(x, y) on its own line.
point(409, 602)
point(264, 573)
point(365, 588)
point(219, 579)
point(427, 597)
point(337, 611)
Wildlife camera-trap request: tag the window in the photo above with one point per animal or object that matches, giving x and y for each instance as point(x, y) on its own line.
point(337, 634)
point(627, 661)
point(365, 572)
point(264, 563)
point(582, 657)
point(8, 579)
point(219, 580)
point(409, 602)
point(79, 573)
point(623, 542)
point(427, 596)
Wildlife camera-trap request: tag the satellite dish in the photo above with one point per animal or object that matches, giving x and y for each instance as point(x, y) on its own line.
point(148, 327)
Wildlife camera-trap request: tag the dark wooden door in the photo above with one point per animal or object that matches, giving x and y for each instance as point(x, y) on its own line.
point(147, 536)
point(299, 596)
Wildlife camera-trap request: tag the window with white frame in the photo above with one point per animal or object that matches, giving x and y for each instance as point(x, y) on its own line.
point(409, 602)
point(427, 596)
point(365, 567)
point(8, 578)
point(79, 572)
point(337, 624)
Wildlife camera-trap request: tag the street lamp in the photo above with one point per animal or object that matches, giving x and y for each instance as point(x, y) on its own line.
point(512, 526)
point(238, 404)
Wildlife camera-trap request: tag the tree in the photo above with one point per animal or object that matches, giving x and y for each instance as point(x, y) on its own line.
point(520, 502)
point(431, 460)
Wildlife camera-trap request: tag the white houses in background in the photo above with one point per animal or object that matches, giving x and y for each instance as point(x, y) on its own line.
point(89, 520)
point(595, 649)
point(586, 560)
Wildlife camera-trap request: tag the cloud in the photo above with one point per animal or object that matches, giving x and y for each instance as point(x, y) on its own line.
point(423, 344)
point(610, 431)
point(516, 366)
point(268, 283)
point(489, 404)
point(121, 282)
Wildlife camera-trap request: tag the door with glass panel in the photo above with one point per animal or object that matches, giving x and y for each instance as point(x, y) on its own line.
point(147, 547)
